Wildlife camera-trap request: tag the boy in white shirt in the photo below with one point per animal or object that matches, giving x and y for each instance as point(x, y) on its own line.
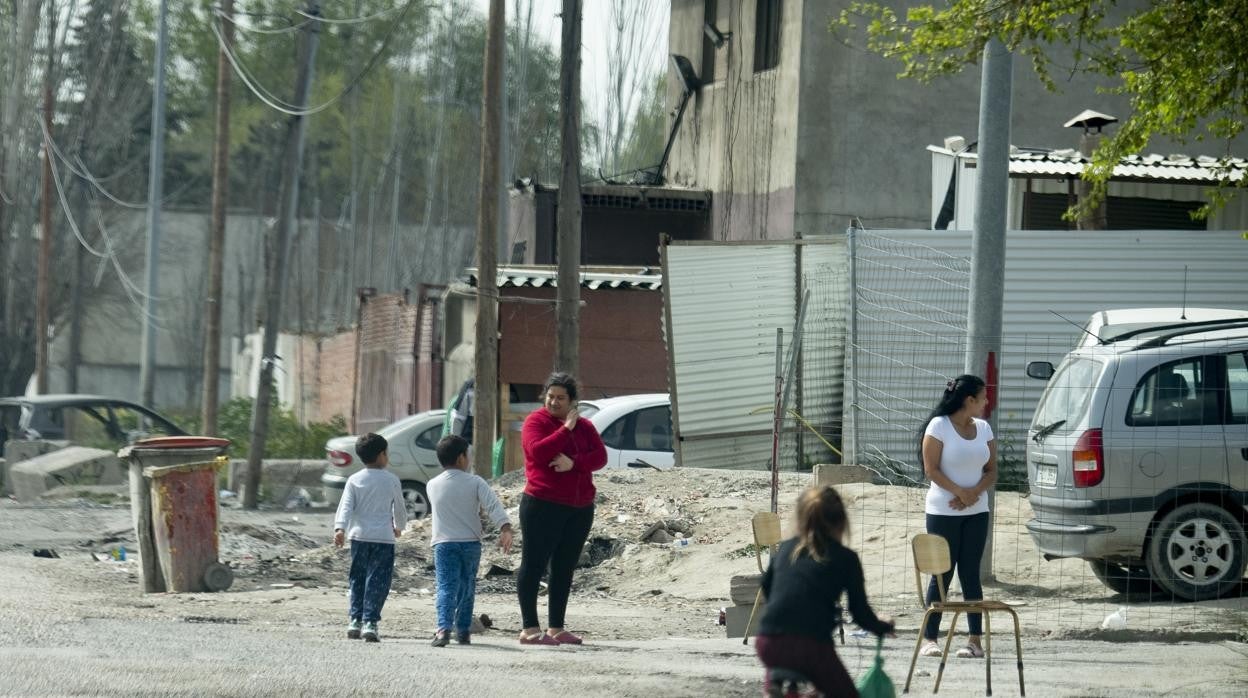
point(371, 514)
point(458, 498)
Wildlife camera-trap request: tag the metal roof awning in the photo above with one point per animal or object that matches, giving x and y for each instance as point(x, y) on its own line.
point(1202, 169)
point(643, 278)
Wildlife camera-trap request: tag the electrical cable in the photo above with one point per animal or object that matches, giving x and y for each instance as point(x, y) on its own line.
point(281, 105)
point(131, 289)
point(346, 20)
point(259, 30)
point(84, 173)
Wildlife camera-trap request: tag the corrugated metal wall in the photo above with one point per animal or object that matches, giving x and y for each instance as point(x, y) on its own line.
point(1048, 274)
point(725, 301)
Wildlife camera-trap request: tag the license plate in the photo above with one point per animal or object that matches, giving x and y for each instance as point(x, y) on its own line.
point(1046, 475)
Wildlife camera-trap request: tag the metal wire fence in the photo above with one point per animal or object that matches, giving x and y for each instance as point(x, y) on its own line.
point(1135, 496)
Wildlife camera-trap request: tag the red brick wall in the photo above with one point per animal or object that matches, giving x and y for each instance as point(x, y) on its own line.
point(622, 348)
point(387, 361)
point(336, 375)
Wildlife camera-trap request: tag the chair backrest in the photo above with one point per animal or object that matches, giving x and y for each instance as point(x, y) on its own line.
point(766, 526)
point(931, 556)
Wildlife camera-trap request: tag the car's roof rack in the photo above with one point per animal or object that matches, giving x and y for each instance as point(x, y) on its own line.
point(1180, 329)
point(1162, 340)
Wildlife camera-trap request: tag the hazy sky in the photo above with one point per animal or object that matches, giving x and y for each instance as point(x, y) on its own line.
point(594, 37)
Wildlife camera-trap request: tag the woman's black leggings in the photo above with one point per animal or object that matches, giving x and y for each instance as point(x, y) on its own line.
point(967, 536)
point(553, 536)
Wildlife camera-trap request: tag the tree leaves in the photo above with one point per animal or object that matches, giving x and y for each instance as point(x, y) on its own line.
point(1182, 63)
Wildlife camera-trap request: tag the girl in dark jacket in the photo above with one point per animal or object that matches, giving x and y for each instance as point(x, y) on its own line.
point(802, 585)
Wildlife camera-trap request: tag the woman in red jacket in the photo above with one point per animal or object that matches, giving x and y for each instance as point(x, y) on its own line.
point(561, 452)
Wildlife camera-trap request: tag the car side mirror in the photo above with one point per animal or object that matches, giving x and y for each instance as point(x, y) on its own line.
point(1040, 370)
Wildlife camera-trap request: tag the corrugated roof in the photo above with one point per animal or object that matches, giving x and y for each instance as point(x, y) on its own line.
point(1069, 162)
point(643, 279)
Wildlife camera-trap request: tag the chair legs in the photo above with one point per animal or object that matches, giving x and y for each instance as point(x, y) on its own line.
point(745, 634)
point(1018, 649)
point(944, 656)
point(988, 649)
point(918, 642)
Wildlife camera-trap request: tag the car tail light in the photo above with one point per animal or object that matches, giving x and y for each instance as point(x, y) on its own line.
point(1088, 459)
point(339, 458)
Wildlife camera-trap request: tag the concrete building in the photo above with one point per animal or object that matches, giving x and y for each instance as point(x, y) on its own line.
point(794, 130)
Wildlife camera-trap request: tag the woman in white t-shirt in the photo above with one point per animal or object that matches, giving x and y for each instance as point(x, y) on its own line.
point(959, 456)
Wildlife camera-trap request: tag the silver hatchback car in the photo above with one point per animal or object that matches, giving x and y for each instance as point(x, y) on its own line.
point(1137, 457)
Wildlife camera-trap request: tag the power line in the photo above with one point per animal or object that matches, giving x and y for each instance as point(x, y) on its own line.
point(84, 173)
point(131, 289)
point(347, 20)
point(260, 30)
point(289, 109)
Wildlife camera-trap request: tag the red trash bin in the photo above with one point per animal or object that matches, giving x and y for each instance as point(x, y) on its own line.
point(184, 513)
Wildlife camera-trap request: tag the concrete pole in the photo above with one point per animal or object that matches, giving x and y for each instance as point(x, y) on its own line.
point(155, 192)
point(275, 281)
point(485, 404)
point(983, 332)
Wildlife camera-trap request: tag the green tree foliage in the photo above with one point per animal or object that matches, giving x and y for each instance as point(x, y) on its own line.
point(411, 46)
point(1182, 63)
point(649, 130)
point(287, 438)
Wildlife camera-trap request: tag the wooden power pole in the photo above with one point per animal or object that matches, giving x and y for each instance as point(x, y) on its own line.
point(567, 309)
point(43, 316)
point(485, 403)
point(275, 278)
point(216, 238)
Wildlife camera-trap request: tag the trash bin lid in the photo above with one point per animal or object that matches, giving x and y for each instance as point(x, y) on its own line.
point(176, 442)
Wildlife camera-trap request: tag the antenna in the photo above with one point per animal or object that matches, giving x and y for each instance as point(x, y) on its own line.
point(1183, 313)
point(1081, 327)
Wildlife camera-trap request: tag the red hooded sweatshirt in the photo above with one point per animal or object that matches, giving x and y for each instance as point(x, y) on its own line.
point(544, 437)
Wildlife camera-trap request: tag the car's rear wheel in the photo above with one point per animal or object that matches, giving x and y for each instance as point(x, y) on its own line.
point(417, 500)
point(1197, 552)
point(1124, 579)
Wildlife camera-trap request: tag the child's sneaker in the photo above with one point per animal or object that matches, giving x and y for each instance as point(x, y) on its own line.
point(441, 638)
point(370, 632)
point(353, 629)
point(464, 638)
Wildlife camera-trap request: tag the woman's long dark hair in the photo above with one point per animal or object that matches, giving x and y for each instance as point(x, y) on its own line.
point(952, 400)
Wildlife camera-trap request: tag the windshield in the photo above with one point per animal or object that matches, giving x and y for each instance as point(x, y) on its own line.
point(1069, 394)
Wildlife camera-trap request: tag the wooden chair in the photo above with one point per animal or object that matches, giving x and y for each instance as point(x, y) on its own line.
point(931, 557)
point(766, 525)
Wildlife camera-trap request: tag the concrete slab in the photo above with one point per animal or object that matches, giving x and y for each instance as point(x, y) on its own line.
point(838, 474)
point(281, 479)
point(73, 465)
point(16, 451)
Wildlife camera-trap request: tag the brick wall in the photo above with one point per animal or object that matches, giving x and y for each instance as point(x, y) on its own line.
point(336, 375)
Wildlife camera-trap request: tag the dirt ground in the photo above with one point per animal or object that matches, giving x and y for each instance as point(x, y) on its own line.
point(629, 590)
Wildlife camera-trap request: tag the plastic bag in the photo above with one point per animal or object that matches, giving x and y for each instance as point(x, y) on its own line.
point(874, 683)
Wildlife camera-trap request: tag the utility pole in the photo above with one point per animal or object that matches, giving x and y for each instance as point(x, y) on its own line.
point(275, 278)
point(485, 404)
point(155, 192)
point(43, 316)
point(216, 236)
point(983, 331)
point(567, 307)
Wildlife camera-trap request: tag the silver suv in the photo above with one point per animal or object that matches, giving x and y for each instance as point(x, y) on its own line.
point(1138, 457)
